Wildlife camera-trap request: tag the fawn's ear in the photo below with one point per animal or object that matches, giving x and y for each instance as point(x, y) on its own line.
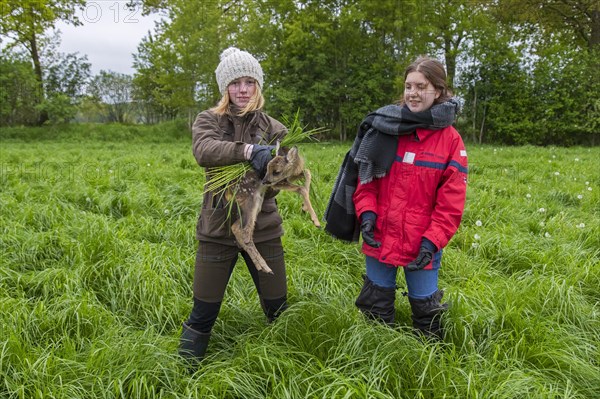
point(281, 151)
point(292, 154)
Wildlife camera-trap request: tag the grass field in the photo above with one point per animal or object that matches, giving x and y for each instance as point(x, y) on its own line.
point(97, 251)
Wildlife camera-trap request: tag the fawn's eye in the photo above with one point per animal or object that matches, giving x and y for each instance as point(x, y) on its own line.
point(275, 173)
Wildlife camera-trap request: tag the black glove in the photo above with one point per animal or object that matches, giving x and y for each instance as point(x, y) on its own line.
point(424, 257)
point(367, 227)
point(261, 155)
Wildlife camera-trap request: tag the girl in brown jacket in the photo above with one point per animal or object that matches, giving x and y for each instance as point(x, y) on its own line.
point(236, 130)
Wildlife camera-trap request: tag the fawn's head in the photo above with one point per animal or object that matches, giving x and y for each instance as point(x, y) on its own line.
point(286, 164)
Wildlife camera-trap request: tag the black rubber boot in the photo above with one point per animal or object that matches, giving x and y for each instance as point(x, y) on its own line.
point(193, 344)
point(273, 307)
point(427, 313)
point(377, 302)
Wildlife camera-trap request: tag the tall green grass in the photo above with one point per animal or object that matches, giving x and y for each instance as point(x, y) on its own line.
point(96, 265)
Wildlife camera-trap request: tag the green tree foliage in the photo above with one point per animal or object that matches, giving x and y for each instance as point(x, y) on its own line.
point(65, 77)
point(59, 108)
point(66, 74)
point(526, 82)
point(567, 97)
point(334, 60)
point(528, 71)
point(150, 95)
point(441, 28)
point(497, 90)
point(334, 81)
point(113, 91)
point(175, 64)
point(24, 22)
point(576, 21)
point(19, 90)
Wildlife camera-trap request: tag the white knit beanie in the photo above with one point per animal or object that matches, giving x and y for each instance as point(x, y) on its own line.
point(235, 64)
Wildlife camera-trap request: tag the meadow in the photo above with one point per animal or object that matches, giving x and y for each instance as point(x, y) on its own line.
point(96, 263)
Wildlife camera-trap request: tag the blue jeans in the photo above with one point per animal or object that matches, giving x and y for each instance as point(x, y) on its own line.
point(420, 284)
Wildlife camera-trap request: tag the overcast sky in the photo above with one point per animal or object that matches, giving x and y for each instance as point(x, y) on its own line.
point(109, 35)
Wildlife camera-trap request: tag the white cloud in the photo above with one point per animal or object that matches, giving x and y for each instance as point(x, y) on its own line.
point(109, 35)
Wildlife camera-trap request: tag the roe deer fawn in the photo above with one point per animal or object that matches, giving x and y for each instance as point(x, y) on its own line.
point(286, 167)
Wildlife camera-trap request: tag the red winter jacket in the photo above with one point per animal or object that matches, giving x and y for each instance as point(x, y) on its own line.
point(423, 195)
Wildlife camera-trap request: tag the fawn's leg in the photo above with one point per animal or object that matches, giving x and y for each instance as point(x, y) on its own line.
point(307, 206)
point(249, 208)
point(243, 236)
point(304, 193)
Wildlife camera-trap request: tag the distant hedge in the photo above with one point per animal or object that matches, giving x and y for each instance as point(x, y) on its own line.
point(162, 132)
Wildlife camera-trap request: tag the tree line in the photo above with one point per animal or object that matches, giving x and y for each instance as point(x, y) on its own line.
point(527, 71)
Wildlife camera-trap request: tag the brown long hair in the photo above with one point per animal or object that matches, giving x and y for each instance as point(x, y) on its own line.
point(257, 101)
point(434, 72)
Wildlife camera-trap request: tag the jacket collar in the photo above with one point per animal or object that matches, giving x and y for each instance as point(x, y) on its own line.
point(422, 133)
point(254, 118)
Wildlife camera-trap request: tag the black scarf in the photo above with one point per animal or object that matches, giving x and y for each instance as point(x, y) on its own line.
point(372, 155)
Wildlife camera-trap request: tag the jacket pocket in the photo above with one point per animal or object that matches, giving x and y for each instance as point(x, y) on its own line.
point(213, 222)
point(269, 205)
point(415, 225)
point(268, 217)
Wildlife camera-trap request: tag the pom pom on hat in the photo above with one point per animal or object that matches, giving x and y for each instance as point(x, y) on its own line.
point(235, 64)
point(227, 52)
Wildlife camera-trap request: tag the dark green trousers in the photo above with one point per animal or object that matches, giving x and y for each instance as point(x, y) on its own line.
point(214, 265)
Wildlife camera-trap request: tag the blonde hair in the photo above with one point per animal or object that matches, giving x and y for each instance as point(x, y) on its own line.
point(257, 101)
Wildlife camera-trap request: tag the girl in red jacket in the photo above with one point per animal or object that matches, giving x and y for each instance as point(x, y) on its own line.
point(410, 206)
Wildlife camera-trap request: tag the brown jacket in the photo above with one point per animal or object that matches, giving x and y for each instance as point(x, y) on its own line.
point(219, 140)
